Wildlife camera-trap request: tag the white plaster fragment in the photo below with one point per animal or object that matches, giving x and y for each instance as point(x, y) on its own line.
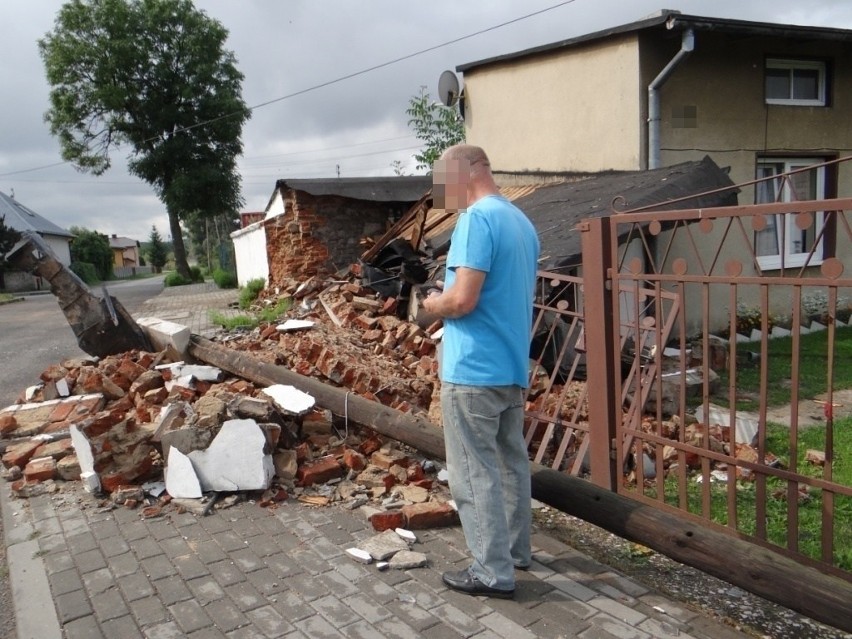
point(409, 536)
point(235, 459)
point(83, 450)
point(290, 398)
point(62, 388)
point(199, 372)
point(359, 555)
point(91, 482)
point(294, 325)
point(181, 480)
point(164, 334)
point(31, 391)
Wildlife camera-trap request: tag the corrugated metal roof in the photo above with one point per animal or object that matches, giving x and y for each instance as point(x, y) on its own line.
point(21, 218)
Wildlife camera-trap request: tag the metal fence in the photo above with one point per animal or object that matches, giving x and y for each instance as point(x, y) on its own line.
point(659, 367)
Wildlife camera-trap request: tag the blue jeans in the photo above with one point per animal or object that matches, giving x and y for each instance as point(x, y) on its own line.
point(489, 473)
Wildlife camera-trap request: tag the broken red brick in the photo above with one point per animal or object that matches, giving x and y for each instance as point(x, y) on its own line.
point(319, 471)
point(147, 381)
point(423, 483)
point(8, 424)
point(354, 460)
point(389, 481)
point(62, 411)
point(57, 450)
point(19, 454)
point(387, 459)
point(372, 336)
point(415, 472)
point(102, 422)
point(430, 514)
point(389, 306)
point(387, 520)
point(370, 445)
point(40, 469)
point(268, 332)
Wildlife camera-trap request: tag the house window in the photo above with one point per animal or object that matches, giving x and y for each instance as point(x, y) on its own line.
point(795, 82)
point(783, 240)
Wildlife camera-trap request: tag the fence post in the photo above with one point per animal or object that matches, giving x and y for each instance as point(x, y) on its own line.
point(601, 335)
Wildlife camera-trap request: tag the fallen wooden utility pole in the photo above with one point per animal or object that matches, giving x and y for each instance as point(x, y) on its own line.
point(751, 567)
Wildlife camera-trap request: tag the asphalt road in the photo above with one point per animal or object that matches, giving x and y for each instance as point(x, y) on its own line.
point(34, 333)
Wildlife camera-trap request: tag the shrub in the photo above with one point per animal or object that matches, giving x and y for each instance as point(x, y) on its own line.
point(250, 291)
point(196, 274)
point(85, 271)
point(175, 279)
point(225, 279)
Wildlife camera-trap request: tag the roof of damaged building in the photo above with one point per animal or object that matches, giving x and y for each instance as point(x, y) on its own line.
point(555, 208)
point(405, 188)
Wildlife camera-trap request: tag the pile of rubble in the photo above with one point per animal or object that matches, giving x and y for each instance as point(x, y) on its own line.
point(346, 335)
point(117, 424)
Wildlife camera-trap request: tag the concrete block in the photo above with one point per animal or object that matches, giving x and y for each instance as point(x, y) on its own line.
point(181, 480)
point(235, 459)
point(384, 545)
point(164, 334)
point(406, 559)
point(290, 399)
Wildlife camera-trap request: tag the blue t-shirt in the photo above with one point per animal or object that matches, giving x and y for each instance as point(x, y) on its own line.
point(490, 345)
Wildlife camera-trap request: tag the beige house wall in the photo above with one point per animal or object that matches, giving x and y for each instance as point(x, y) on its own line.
point(723, 80)
point(575, 110)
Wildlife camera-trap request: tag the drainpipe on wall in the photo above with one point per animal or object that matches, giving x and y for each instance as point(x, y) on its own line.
point(686, 47)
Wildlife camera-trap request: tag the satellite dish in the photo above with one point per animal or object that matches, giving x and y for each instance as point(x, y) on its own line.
point(448, 88)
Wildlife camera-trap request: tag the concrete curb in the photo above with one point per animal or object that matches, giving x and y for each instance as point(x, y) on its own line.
point(27, 576)
point(13, 300)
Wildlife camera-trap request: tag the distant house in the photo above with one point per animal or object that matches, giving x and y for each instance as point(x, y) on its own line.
point(314, 226)
point(19, 217)
point(125, 251)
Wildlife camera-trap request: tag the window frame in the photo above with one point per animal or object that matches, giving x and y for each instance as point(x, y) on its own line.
point(786, 258)
point(790, 65)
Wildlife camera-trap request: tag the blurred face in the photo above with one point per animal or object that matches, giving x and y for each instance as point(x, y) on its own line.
point(449, 184)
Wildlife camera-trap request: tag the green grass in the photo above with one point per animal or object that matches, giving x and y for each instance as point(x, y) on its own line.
point(267, 315)
point(813, 364)
point(250, 291)
point(5, 297)
point(809, 512)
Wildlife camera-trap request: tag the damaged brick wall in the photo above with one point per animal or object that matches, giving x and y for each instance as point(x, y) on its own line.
point(317, 235)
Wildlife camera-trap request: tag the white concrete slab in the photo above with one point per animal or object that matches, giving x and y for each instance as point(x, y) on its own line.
point(181, 480)
point(295, 325)
point(290, 399)
point(235, 459)
point(164, 334)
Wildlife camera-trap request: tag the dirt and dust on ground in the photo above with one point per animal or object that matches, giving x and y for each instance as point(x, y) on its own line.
point(703, 593)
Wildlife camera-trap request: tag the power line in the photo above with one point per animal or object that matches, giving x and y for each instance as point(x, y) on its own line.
point(337, 80)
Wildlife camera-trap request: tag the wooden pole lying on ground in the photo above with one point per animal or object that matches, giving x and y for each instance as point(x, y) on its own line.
point(751, 567)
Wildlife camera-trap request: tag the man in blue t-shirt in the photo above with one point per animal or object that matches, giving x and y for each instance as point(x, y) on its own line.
point(487, 309)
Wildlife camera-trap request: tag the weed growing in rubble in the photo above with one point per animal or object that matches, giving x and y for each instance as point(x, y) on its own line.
point(250, 291)
point(266, 315)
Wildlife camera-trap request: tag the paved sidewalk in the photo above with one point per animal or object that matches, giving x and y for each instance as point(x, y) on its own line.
point(191, 306)
point(249, 572)
point(82, 571)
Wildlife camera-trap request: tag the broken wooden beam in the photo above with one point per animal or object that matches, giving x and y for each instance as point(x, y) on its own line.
point(765, 573)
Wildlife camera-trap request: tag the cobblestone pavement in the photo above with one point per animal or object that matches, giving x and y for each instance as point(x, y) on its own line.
point(250, 572)
point(191, 306)
point(247, 572)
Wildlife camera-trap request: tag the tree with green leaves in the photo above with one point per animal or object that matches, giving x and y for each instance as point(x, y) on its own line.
point(437, 126)
point(91, 247)
point(158, 254)
point(154, 77)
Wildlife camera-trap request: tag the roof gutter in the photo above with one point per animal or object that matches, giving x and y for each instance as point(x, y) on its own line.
point(686, 47)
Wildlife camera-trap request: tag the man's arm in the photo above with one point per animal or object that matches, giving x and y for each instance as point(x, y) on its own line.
point(461, 298)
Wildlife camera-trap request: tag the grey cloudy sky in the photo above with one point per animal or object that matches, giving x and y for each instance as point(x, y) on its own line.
point(285, 46)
